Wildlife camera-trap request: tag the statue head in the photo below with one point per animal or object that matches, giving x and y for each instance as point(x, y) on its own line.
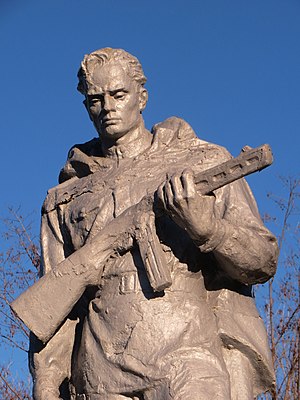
point(100, 57)
point(112, 82)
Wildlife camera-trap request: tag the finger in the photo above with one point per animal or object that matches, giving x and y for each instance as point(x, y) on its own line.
point(169, 196)
point(161, 195)
point(188, 183)
point(211, 200)
point(177, 188)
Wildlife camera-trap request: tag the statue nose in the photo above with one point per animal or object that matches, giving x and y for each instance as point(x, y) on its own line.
point(108, 103)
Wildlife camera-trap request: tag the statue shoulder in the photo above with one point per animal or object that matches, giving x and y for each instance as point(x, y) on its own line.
point(172, 129)
point(81, 160)
point(176, 133)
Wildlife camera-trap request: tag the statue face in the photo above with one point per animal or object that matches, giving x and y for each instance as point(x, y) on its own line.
point(116, 103)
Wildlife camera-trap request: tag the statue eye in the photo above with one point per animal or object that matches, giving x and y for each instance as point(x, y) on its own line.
point(94, 100)
point(119, 96)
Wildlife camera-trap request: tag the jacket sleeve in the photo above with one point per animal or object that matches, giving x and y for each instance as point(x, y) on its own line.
point(50, 364)
point(242, 246)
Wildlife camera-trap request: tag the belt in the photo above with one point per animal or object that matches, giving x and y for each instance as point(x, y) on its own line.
point(96, 396)
point(126, 283)
point(129, 283)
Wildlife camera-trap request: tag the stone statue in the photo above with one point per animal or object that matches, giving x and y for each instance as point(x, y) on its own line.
point(197, 337)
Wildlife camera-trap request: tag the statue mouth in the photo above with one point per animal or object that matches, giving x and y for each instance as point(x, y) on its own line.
point(110, 121)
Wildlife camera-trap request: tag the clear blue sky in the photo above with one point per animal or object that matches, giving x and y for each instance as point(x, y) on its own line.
point(231, 68)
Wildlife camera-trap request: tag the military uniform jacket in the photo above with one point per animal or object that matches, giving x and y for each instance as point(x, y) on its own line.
point(95, 189)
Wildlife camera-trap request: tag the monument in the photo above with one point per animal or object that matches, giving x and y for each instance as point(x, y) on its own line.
point(147, 280)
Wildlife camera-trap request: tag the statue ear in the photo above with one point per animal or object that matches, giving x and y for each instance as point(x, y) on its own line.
point(87, 108)
point(143, 98)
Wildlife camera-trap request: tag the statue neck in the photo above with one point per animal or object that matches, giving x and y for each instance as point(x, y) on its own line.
point(130, 145)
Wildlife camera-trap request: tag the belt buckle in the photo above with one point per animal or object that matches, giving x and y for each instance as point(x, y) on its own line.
point(128, 283)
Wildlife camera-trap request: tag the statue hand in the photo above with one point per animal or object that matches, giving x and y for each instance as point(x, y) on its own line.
point(190, 210)
point(51, 396)
point(46, 389)
point(44, 394)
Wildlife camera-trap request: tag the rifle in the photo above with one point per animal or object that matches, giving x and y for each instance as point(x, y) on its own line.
point(44, 306)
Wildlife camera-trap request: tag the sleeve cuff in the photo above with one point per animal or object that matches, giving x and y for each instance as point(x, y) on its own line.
point(215, 240)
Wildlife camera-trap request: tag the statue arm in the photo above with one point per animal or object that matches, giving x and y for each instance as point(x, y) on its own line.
point(226, 224)
point(242, 246)
point(50, 364)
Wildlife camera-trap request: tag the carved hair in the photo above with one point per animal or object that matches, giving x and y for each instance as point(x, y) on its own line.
point(100, 57)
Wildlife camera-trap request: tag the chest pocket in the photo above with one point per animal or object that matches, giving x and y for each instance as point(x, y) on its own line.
point(80, 216)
